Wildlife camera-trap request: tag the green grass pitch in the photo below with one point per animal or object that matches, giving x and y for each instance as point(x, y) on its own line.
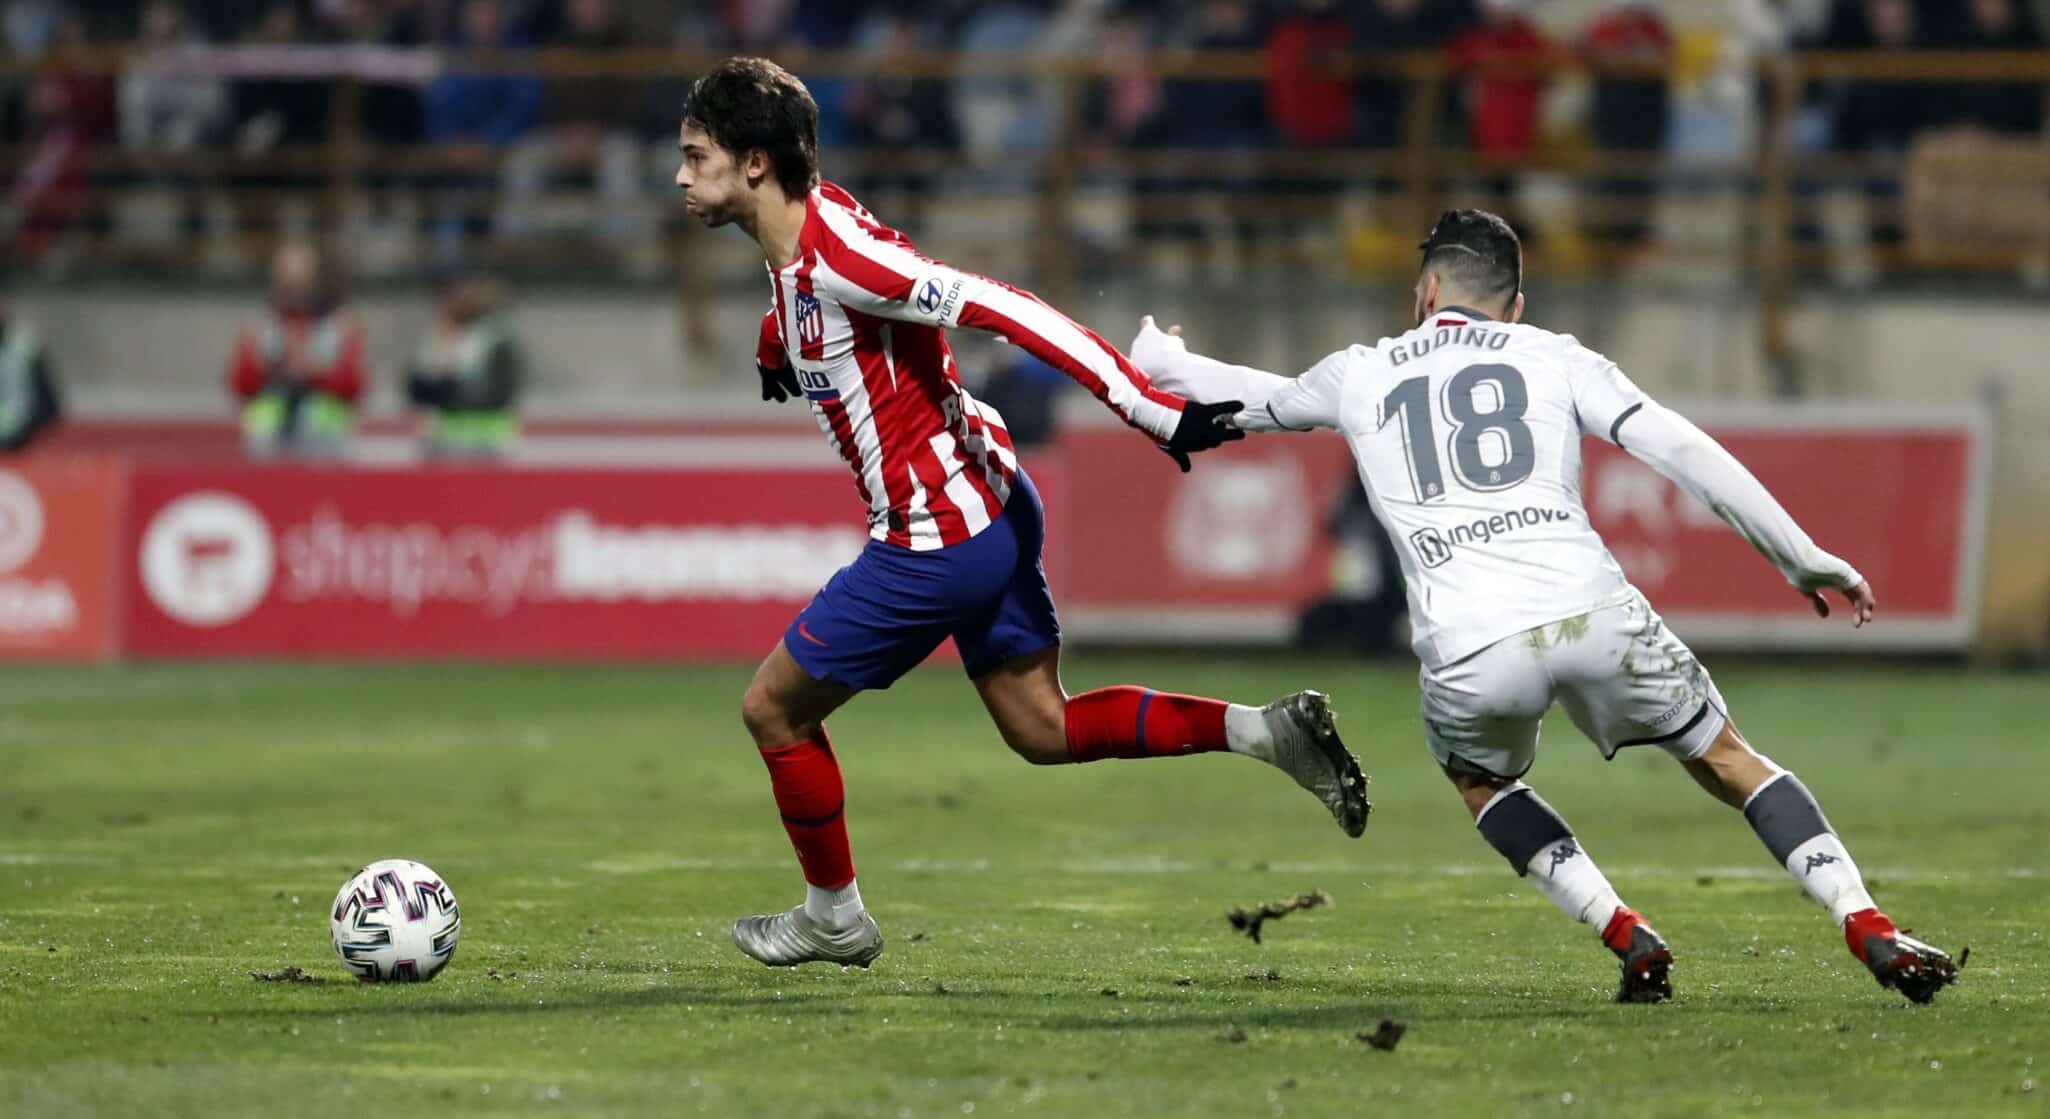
point(1057, 942)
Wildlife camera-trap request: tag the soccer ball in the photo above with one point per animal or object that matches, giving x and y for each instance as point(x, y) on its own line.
point(395, 921)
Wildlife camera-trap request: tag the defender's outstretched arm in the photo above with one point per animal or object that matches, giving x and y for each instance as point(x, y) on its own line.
point(1164, 356)
point(1272, 402)
point(1667, 442)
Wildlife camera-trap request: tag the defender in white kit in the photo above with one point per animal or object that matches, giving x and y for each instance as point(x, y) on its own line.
point(1467, 434)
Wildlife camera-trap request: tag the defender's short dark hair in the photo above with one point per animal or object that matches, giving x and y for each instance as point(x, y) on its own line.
point(747, 103)
point(1476, 251)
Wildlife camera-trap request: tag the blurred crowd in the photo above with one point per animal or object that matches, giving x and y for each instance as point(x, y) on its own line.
point(504, 141)
point(299, 368)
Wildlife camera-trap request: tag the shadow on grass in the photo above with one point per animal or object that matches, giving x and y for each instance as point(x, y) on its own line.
point(1348, 1016)
point(518, 1001)
point(1425, 1006)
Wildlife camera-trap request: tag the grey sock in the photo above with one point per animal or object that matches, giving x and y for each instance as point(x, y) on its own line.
point(1785, 815)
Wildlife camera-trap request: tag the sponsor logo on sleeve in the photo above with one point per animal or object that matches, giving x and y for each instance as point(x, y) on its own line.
point(936, 296)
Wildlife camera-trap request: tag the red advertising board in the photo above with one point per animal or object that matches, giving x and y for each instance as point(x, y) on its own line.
point(1235, 549)
point(1901, 496)
point(711, 558)
point(481, 562)
point(478, 562)
point(1230, 551)
point(58, 522)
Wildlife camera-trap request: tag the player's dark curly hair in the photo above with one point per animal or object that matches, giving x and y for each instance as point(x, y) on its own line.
point(1477, 252)
point(747, 103)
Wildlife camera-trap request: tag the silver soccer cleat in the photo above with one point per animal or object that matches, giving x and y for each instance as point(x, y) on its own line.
point(1307, 748)
point(789, 939)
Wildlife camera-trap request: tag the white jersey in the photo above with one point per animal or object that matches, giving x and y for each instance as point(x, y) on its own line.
point(1467, 434)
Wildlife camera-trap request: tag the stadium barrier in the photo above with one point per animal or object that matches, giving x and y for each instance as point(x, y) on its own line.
point(1235, 550)
point(469, 562)
point(60, 520)
point(1834, 466)
point(709, 556)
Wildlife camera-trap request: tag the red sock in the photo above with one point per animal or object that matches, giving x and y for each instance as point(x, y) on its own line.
point(1864, 923)
point(813, 799)
point(1128, 722)
point(1616, 934)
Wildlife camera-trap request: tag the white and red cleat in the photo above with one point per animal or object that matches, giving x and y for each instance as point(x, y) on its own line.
point(1647, 962)
point(1896, 959)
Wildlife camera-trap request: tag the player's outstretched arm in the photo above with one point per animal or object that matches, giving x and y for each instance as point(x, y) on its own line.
point(1164, 356)
point(1272, 402)
point(876, 272)
point(1670, 444)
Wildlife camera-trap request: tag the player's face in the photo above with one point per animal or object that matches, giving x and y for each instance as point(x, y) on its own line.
point(714, 189)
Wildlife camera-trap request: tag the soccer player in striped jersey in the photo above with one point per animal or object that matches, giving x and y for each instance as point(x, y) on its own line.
point(1467, 434)
point(857, 327)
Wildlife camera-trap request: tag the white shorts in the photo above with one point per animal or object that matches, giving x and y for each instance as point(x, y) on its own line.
point(1617, 670)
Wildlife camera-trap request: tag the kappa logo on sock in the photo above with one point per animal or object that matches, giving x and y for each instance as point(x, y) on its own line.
point(1817, 861)
point(1563, 852)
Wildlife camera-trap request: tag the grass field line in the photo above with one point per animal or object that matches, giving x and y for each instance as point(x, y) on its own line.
point(1113, 867)
point(1479, 869)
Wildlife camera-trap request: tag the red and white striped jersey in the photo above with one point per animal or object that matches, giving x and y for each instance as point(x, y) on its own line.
point(862, 318)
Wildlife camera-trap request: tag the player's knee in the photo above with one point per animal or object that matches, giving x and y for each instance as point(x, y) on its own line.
point(766, 719)
point(1476, 788)
point(1040, 751)
point(1730, 769)
point(1040, 738)
point(1038, 746)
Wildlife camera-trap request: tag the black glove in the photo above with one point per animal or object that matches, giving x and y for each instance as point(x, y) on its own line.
point(1202, 427)
point(779, 384)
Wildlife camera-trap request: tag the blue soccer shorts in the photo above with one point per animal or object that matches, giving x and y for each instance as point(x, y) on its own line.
point(882, 615)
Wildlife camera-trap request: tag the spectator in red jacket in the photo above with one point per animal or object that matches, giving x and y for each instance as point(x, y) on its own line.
point(1502, 110)
point(1308, 107)
point(70, 110)
point(299, 370)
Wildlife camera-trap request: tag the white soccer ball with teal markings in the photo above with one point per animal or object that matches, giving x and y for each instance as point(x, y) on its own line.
point(395, 921)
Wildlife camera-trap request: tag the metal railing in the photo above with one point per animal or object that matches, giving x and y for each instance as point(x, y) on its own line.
point(1778, 191)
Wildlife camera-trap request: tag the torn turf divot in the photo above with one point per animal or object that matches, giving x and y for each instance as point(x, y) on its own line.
point(1248, 921)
